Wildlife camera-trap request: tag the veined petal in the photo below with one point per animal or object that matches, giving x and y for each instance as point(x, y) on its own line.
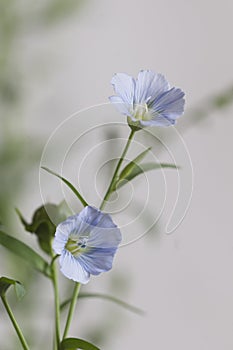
point(66, 226)
point(170, 104)
point(149, 85)
point(81, 227)
point(103, 232)
point(158, 120)
point(62, 233)
point(73, 226)
point(105, 238)
point(97, 260)
point(122, 107)
point(59, 243)
point(96, 218)
point(124, 86)
point(72, 269)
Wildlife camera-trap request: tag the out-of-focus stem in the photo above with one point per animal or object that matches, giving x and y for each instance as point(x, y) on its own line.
point(15, 324)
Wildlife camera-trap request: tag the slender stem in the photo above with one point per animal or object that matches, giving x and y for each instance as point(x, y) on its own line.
point(57, 304)
point(15, 324)
point(109, 190)
point(71, 309)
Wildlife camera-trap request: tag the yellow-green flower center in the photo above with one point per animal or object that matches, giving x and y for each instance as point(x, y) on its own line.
point(76, 246)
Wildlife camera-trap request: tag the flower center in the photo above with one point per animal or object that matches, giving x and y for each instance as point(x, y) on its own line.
point(76, 246)
point(141, 112)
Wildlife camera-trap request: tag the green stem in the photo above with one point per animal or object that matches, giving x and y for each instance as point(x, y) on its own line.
point(71, 309)
point(57, 304)
point(109, 190)
point(15, 324)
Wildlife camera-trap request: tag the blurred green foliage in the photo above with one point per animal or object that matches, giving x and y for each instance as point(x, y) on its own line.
point(17, 151)
point(56, 10)
point(206, 108)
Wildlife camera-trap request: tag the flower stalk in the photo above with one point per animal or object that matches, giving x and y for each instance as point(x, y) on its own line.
point(115, 174)
point(57, 304)
point(71, 309)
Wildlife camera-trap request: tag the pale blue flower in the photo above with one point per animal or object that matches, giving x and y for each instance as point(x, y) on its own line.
point(87, 243)
point(148, 100)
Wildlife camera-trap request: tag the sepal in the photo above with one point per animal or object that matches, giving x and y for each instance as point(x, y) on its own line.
point(135, 126)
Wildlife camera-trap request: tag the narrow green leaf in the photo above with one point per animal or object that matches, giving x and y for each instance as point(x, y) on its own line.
point(129, 167)
point(6, 282)
point(140, 169)
point(75, 191)
point(109, 298)
point(74, 343)
point(22, 250)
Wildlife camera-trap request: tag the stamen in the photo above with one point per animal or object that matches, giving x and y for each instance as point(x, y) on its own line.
point(76, 247)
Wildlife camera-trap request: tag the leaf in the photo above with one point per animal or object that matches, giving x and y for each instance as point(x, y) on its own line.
point(75, 191)
point(74, 343)
point(109, 298)
point(129, 167)
point(6, 282)
point(41, 226)
point(140, 169)
point(44, 223)
point(22, 250)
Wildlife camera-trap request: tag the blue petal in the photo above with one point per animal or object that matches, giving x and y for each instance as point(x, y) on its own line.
point(158, 120)
point(149, 85)
point(102, 230)
point(97, 260)
point(124, 86)
point(62, 234)
point(104, 237)
point(94, 217)
point(59, 243)
point(122, 107)
point(90, 215)
point(72, 269)
point(170, 104)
